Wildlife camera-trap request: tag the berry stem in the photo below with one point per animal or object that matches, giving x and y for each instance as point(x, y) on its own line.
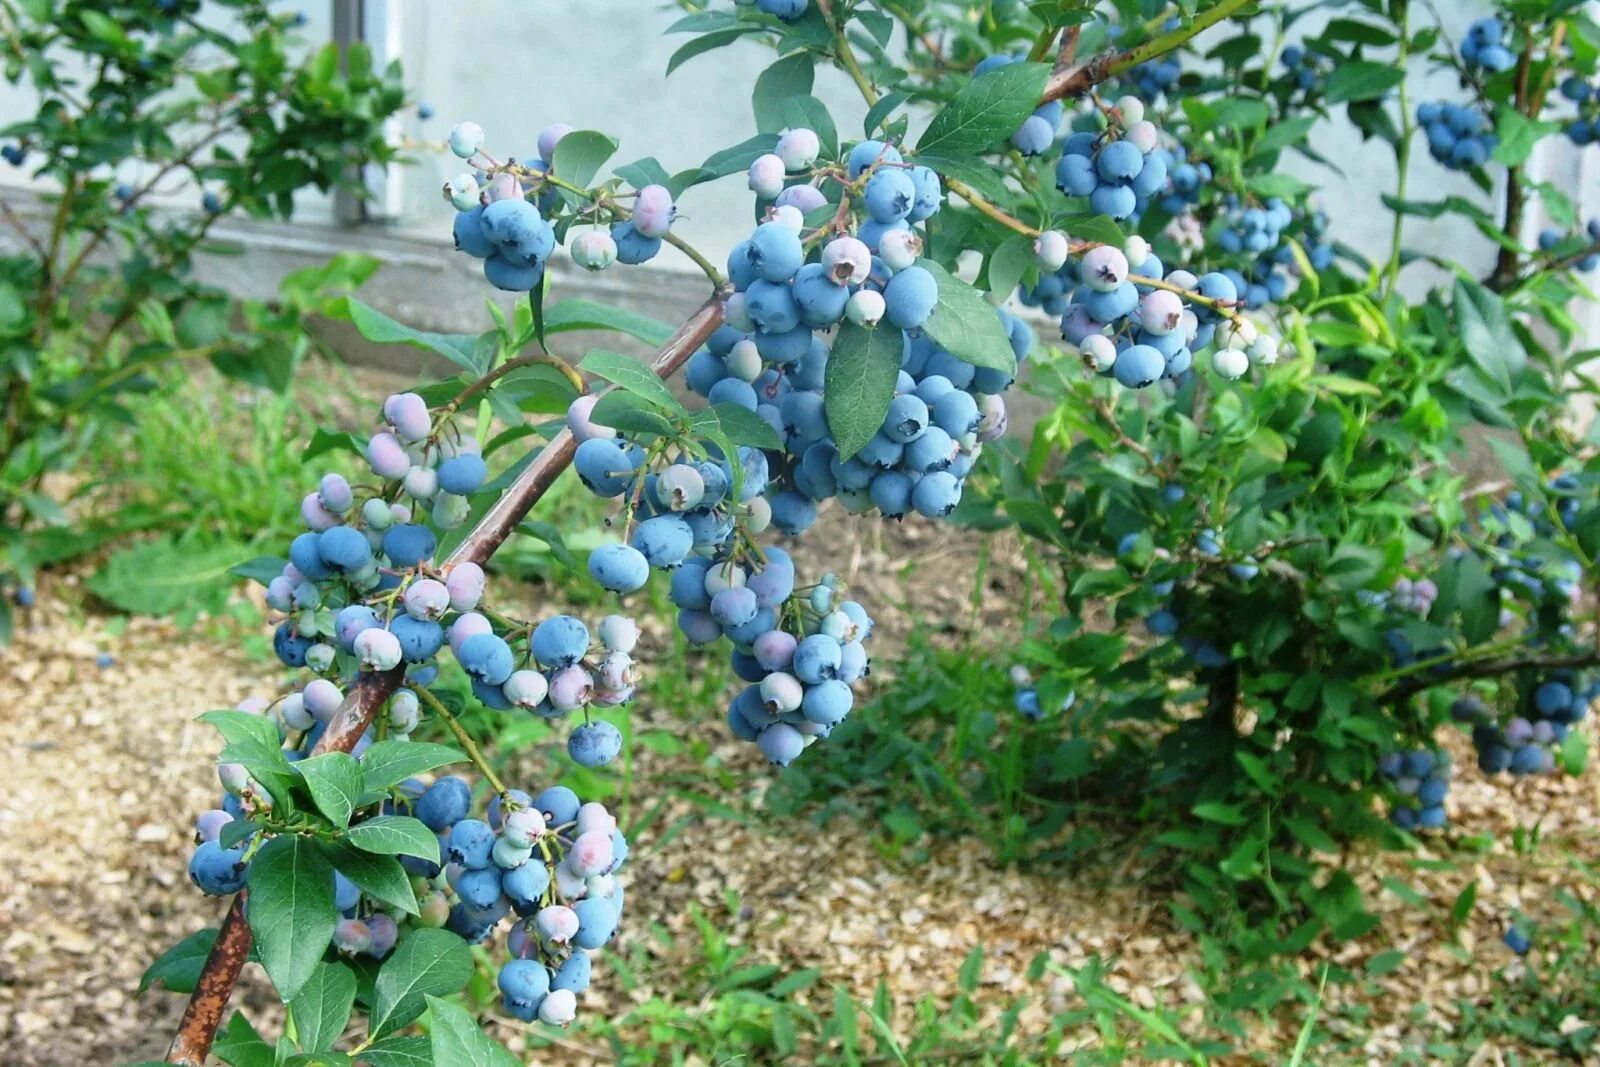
point(203, 1015)
point(468, 745)
point(847, 55)
point(533, 359)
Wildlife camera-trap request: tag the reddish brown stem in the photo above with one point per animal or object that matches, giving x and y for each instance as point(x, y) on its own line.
point(209, 1001)
point(1075, 79)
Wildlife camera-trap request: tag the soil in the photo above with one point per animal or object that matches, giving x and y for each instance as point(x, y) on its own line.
point(105, 769)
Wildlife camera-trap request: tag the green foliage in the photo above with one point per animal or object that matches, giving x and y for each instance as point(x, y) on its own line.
point(100, 301)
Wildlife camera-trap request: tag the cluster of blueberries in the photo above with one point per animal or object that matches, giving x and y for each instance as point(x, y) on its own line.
point(1140, 334)
point(1185, 180)
point(788, 10)
point(1484, 46)
point(1526, 745)
point(1585, 128)
point(1038, 131)
point(1459, 137)
point(1421, 780)
point(1156, 76)
point(1117, 169)
point(361, 593)
point(551, 860)
point(497, 223)
point(1551, 238)
point(1307, 68)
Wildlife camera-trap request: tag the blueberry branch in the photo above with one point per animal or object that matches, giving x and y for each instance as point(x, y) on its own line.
point(846, 54)
point(203, 1014)
point(532, 359)
point(1079, 78)
point(1492, 668)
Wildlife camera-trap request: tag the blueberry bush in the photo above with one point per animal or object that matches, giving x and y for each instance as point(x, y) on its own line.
point(1277, 583)
point(152, 121)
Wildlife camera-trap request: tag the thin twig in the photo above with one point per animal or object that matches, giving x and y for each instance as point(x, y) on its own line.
point(1079, 78)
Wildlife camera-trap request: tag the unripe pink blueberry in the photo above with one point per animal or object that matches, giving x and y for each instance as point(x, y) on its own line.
point(568, 884)
point(766, 176)
point(1103, 268)
point(847, 260)
point(209, 826)
point(549, 137)
point(467, 625)
point(556, 924)
point(559, 1007)
point(503, 186)
point(653, 211)
point(774, 650)
point(523, 827)
point(865, 307)
point(900, 249)
point(804, 198)
point(1050, 251)
point(335, 493)
point(292, 710)
point(421, 483)
point(616, 672)
point(799, 149)
point(590, 854)
point(426, 599)
point(993, 425)
point(465, 583)
point(594, 250)
point(322, 698)
point(582, 426)
point(525, 688)
point(400, 512)
point(1143, 135)
point(619, 633)
point(385, 932)
point(781, 692)
point(408, 414)
point(787, 215)
point(378, 650)
point(570, 688)
point(1160, 312)
point(352, 936)
point(594, 818)
point(387, 457)
point(316, 516)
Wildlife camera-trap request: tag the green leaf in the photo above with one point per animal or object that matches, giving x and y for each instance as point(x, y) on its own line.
point(808, 112)
point(290, 908)
point(580, 155)
point(859, 383)
point(1226, 814)
point(984, 111)
point(425, 963)
point(262, 569)
point(239, 1045)
point(632, 375)
point(334, 779)
point(1486, 333)
point(1518, 135)
point(574, 314)
point(643, 172)
point(178, 968)
point(735, 159)
point(1008, 263)
point(238, 727)
point(380, 877)
point(966, 325)
point(630, 413)
point(745, 427)
point(395, 835)
point(322, 1009)
point(460, 1042)
point(1361, 79)
point(706, 42)
point(374, 325)
point(165, 576)
point(789, 77)
point(388, 763)
point(413, 1051)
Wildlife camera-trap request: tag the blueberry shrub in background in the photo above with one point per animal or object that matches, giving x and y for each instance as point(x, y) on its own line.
point(1247, 468)
point(151, 123)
